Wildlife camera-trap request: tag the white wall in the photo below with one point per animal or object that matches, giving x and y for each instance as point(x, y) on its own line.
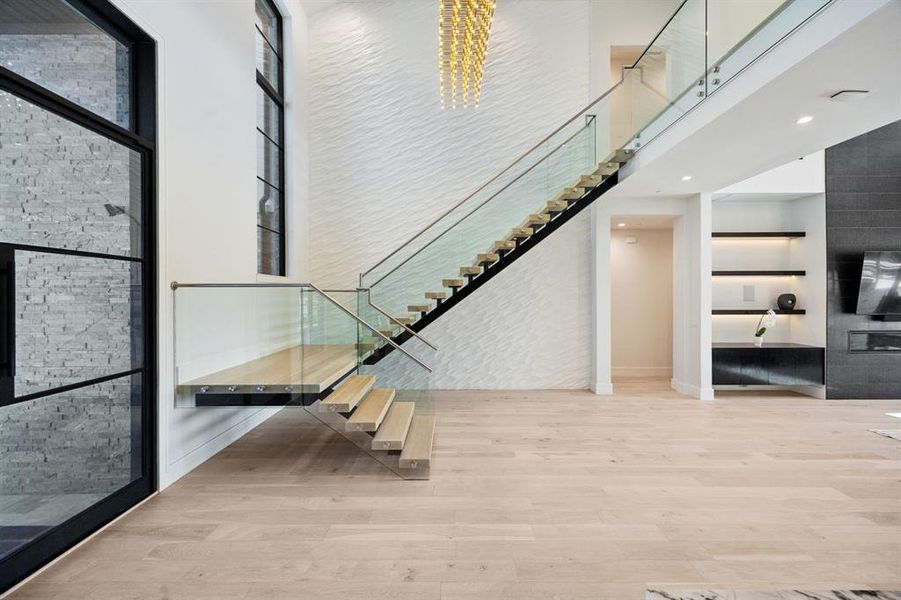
point(622, 23)
point(642, 302)
point(207, 184)
point(386, 159)
point(807, 175)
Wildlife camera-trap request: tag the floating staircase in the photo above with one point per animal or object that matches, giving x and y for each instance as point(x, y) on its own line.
point(501, 253)
point(394, 426)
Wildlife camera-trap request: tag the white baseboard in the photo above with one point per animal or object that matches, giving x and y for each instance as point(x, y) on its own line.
point(692, 390)
point(602, 389)
point(175, 470)
point(626, 372)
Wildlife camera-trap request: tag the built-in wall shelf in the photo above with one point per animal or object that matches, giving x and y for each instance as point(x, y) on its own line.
point(757, 311)
point(759, 234)
point(759, 273)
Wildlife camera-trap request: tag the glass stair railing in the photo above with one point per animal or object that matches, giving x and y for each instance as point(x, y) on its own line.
point(294, 345)
point(703, 45)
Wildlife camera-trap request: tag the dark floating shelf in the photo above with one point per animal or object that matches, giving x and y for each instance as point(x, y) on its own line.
point(759, 234)
point(757, 311)
point(761, 273)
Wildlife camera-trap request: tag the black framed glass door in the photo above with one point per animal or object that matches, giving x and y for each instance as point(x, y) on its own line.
point(77, 275)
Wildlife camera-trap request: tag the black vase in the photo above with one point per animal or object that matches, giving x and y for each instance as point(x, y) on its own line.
point(787, 302)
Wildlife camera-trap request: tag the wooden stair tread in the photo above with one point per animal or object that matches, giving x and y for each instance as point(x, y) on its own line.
point(556, 206)
point(487, 257)
point(503, 245)
point(436, 295)
point(521, 232)
point(419, 308)
point(394, 428)
point(371, 411)
point(346, 397)
point(590, 181)
point(570, 193)
point(470, 270)
point(453, 283)
point(605, 169)
point(538, 219)
point(417, 450)
point(620, 156)
point(406, 320)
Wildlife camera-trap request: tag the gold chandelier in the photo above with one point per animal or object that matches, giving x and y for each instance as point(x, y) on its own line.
point(463, 30)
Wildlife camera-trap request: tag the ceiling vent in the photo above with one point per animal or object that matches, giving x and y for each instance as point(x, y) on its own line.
point(849, 95)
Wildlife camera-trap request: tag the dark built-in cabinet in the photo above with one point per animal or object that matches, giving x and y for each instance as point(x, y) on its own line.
point(771, 364)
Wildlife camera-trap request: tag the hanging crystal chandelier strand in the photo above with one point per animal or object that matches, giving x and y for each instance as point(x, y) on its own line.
point(463, 30)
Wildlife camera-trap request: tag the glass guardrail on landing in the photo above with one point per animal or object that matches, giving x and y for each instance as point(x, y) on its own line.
point(286, 345)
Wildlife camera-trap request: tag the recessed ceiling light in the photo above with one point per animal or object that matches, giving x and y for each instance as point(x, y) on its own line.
point(620, 224)
point(686, 178)
point(804, 120)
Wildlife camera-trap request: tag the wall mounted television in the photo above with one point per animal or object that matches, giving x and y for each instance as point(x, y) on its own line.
point(880, 284)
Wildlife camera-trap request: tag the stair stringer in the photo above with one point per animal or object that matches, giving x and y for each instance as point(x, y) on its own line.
point(507, 259)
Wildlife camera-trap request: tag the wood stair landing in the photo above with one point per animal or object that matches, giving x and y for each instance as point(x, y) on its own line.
point(417, 452)
point(345, 398)
point(372, 410)
point(393, 430)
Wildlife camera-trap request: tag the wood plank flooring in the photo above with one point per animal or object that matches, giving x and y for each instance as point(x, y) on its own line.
point(533, 495)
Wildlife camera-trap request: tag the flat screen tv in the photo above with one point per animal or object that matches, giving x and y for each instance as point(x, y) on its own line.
point(880, 284)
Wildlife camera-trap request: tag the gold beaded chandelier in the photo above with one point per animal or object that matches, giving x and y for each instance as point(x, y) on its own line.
point(463, 30)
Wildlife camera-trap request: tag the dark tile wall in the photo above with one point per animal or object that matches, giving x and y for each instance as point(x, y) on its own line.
point(863, 212)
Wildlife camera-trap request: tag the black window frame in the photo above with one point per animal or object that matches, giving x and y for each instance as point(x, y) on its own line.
point(277, 97)
point(140, 137)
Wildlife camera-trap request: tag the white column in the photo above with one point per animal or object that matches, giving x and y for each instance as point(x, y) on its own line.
point(703, 277)
point(601, 382)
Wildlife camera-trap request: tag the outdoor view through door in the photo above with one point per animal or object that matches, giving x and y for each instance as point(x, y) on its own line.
point(77, 294)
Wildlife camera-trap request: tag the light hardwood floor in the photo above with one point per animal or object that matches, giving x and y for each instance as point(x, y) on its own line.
point(543, 494)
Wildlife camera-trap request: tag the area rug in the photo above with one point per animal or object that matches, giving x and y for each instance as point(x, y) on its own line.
point(781, 595)
point(895, 434)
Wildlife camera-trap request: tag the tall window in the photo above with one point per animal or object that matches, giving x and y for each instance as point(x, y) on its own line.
point(270, 142)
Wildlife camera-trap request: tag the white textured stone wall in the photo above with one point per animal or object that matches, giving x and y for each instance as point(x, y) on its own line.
point(386, 159)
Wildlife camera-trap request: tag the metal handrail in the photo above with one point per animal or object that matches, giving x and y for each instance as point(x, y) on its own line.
point(392, 318)
point(486, 201)
point(526, 153)
point(493, 179)
point(406, 328)
point(175, 285)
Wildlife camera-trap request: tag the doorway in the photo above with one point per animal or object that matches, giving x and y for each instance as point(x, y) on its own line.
point(641, 295)
point(77, 275)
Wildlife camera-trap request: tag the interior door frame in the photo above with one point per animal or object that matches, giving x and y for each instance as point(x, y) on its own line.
point(140, 137)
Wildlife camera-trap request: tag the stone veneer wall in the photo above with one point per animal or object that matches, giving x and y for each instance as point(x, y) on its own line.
point(75, 316)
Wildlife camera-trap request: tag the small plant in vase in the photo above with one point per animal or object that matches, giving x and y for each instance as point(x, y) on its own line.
point(767, 321)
